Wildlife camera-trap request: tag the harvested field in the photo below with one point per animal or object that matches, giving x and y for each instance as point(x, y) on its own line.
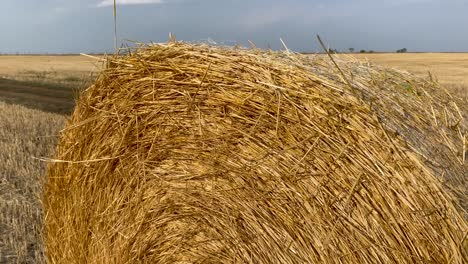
point(42, 84)
point(24, 134)
point(447, 67)
point(46, 83)
point(53, 98)
point(186, 153)
point(76, 72)
point(14, 66)
point(450, 69)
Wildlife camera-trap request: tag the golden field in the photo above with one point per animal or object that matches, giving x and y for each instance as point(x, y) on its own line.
point(12, 66)
point(450, 69)
point(47, 83)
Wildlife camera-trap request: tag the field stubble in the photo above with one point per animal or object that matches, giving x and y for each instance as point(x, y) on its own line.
point(450, 69)
point(36, 94)
point(47, 83)
point(24, 134)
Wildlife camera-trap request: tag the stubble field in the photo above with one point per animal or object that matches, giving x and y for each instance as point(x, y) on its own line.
point(36, 95)
point(450, 69)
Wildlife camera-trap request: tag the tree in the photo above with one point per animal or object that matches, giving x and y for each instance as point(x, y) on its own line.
point(362, 51)
point(351, 50)
point(403, 50)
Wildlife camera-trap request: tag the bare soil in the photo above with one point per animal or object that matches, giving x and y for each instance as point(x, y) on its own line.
point(49, 98)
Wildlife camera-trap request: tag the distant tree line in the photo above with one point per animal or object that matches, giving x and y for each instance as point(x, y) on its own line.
point(351, 50)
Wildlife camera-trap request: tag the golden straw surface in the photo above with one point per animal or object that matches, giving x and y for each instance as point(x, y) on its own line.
point(430, 121)
point(197, 154)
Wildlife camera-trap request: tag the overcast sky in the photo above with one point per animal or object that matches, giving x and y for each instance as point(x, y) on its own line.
point(72, 26)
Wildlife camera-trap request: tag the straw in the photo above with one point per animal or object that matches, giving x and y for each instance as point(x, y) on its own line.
point(208, 154)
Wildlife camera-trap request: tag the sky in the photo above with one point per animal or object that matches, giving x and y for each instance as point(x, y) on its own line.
point(74, 26)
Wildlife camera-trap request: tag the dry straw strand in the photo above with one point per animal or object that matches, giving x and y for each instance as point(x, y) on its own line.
point(244, 156)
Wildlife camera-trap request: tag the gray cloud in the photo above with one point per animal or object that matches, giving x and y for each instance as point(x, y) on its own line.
point(128, 2)
point(78, 26)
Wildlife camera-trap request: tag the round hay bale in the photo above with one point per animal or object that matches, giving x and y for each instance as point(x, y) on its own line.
point(430, 121)
point(189, 153)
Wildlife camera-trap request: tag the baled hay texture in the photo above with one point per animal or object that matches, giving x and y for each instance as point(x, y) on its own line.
point(190, 154)
point(431, 122)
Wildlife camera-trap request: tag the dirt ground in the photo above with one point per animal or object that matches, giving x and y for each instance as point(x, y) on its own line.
point(46, 83)
point(54, 98)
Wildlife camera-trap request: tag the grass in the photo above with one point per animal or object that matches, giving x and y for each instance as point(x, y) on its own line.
point(24, 134)
point(55, 78)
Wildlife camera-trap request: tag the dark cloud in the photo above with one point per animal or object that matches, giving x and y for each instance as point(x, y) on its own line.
point(78, 26)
